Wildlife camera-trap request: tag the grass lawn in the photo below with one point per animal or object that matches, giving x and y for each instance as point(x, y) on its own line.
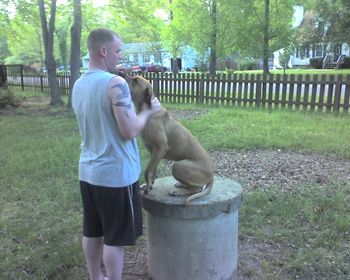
point(40, 208)
point(301, 71)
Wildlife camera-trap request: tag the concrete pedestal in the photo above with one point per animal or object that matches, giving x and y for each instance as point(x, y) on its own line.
point(194, 242)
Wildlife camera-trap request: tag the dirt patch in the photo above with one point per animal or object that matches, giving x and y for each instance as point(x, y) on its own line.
point(285, 169)
point(34, 106)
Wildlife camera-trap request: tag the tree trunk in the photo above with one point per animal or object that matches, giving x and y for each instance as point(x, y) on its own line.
point(75, 32)
point(48, 39)
point(266, 39)
point(212, 63)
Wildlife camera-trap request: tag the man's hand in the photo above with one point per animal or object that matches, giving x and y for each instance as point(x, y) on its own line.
point(155, 105)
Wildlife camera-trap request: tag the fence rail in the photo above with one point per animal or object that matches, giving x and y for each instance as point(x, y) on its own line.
point(329, 93)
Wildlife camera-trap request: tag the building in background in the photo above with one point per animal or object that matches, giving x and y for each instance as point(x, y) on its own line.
point(152, 53)
point(329, 55)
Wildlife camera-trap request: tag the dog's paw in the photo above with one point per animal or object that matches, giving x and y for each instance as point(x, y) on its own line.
point(144, 188)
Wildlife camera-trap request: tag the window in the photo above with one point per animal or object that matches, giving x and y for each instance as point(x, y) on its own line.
point(318, 50)
point(304, 51)
point(158, 57)
point(146, 57)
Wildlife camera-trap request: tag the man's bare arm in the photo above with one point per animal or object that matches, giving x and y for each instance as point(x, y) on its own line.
point(130, 124)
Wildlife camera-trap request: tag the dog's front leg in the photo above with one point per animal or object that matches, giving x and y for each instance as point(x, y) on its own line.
point(157, 155)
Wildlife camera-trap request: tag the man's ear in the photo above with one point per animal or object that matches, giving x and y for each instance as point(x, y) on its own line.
point(147, 97)
point(103, 51)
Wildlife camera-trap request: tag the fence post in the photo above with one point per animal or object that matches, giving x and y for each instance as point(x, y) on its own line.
point(306, 92)
point(314, 92)
point(264, 89)
point(330, 93)
point(258, 91)
point(337, 94)
point(201, 88)
point(298, 93)
point(347, 93)
point(321, 94)
point(156, 85)
point(291, 92)
point(271, 95)
point(3, 76)
point(284, 90)
point(41, 83)
point(22, 76)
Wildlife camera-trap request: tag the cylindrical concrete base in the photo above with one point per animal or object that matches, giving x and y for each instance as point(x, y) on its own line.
point(198, 241)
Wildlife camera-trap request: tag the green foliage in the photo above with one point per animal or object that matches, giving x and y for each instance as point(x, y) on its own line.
point(284, 57)
point(7, 98)
point(239, 26)
point(346, 63)
point(316, 62)
point(336, 13)
point(247, 64)
point(4, 49)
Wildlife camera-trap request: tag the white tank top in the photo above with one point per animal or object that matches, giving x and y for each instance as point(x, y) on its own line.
point(106, 159)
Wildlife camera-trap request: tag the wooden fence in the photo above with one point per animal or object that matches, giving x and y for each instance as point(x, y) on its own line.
point(328, 93)
point(322, 93)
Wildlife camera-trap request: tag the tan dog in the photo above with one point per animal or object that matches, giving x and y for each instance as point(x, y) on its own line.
point(167, 138)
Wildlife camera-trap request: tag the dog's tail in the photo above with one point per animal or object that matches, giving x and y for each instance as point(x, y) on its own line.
point(206, 191)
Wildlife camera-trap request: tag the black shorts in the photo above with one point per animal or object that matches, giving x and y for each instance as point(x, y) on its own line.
point(114, 213)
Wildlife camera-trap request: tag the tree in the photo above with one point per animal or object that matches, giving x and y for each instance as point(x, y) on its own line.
point(284, 57)
point(23, 33)
point(226, 27)
point(48, 39)
point(135, 20)
point(336, 15)
point(195, 23)
point(63, 24)
point(75, 32)
point(213, 36)
point(266, 37)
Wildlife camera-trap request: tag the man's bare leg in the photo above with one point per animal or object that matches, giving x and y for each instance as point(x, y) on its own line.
point(113, 259)
point(92, 248)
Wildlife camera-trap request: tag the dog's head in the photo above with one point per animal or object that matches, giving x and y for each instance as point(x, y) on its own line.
point(141, 90)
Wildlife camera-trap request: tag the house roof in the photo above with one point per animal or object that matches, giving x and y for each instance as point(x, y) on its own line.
point(309, 19)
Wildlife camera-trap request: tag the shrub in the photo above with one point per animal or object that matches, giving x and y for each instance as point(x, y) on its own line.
point(316, 62)
point(230, 71)
point(7, 98)
point(247, 64)
point(346, 63)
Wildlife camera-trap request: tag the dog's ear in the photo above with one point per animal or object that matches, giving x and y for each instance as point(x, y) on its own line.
point(147, 97)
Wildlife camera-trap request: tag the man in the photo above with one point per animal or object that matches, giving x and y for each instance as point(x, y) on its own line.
point(109, 165)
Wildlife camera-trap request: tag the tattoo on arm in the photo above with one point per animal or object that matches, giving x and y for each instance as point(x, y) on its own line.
point(123, 95)
point(124, 90)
